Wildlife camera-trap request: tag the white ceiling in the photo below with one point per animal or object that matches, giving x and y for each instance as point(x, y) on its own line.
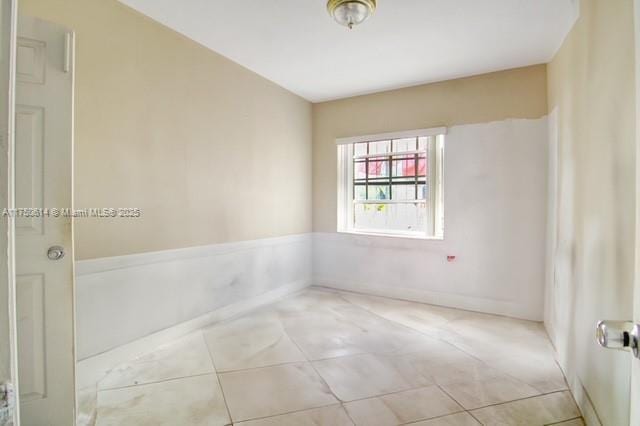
point(296, 44)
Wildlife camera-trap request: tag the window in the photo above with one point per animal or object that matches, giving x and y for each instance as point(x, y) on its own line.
point(392, 184)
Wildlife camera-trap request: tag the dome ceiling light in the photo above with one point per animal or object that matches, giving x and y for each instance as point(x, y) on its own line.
point(351, 12)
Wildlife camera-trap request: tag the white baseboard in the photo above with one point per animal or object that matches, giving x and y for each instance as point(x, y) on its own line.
point(450, 300)
point(91, 370)
point(584, 403)
point(418, 270)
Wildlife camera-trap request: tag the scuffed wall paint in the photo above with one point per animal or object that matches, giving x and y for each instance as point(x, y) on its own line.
point(495, 219)
point(591, 85)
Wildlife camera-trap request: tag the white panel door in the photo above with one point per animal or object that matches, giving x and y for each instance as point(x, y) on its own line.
point(43, 156)
point(8, 346)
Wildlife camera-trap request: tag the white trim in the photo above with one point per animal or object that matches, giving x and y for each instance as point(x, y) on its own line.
point(582, 399)
point(344, 192)
point(451, 300)
point(386, 155)
point(374, 240)
point(389, 201)
point(434, 210)
point(70, 67)
point(93, 266)
point(393, 135)
point(91, 370)
point(438, 171)
point(11, 261)
point(392, 234)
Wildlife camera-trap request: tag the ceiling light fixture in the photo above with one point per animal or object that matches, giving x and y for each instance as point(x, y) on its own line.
point(351, 12)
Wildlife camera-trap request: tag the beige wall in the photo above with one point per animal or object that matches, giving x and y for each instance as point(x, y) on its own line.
point(518, 93)
point(592, 89)
point(210, 151)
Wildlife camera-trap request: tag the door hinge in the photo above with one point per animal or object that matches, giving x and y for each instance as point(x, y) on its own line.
point(7, 402)
point(68, 52)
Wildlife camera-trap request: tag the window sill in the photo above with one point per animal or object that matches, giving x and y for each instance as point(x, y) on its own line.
point(406, 236)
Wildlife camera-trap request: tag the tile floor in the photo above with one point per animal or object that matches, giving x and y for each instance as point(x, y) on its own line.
point(332, 358)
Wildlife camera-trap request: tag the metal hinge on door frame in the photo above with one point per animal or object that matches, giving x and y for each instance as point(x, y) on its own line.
point(69, 46)
point(7, 402)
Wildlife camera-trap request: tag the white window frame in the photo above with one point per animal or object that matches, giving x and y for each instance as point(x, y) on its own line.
point(435, 156)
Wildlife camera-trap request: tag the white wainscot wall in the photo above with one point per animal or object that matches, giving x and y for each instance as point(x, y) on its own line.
point(495, 225)
point(495, 205)
point(123, 299)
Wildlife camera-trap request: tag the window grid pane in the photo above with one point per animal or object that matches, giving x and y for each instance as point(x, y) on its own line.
point(394, 168)
point(390, 184)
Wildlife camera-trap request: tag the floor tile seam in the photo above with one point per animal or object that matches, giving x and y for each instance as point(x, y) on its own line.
point(213, 363)
point(458, 410)
point(564, 421)
point(453, 345)
point(504, 402)
point(439, 328)
point(312, 366)
point(253, 310)
point(385, 318)
point(519, 380)
point(398, 355)
point(457, 402)
point(279, 364)
point(342, 404)
point(410, 389)
point(130, 362)
point(155, 382)
point(516, 400)
point(466, 312)
point(474, 417)
point(431, 384)
point(302, 410)
point(436, 418)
